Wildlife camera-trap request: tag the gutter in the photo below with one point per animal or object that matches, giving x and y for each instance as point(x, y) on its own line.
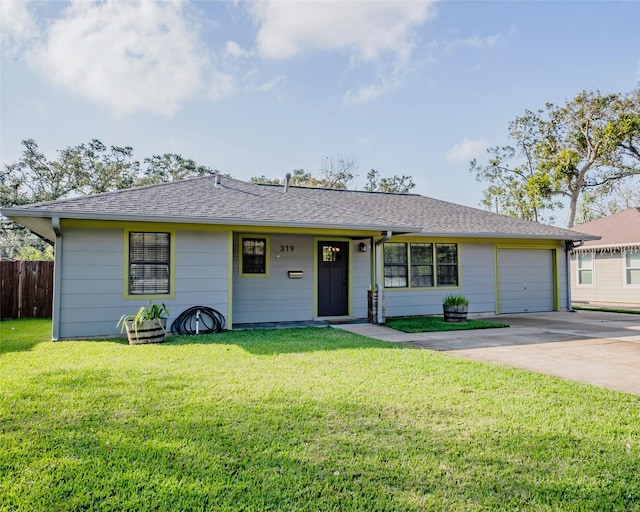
point(57, 279)
point(569, 245)
point(379, 284)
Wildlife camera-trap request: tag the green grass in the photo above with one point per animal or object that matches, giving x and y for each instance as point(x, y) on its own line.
point(607, 310)
point(437, 323)
point(300, 419)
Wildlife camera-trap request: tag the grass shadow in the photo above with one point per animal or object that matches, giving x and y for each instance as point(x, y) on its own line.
point(281, 449)
point(283, 341)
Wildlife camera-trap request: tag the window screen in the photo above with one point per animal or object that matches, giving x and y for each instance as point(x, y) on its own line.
point(395, 265)
point(421, 265)
point(254, 255)
point(447, 264)
point(149, 263)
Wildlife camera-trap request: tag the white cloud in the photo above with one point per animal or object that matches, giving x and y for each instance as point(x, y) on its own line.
point(477, 41)
point(222, 85)
point(275, 83)
point(16, 23)
point(474, 41)
point(233, 49)
point(466, 150)
point(363, 94)
point(365, 30)
point(130, 56)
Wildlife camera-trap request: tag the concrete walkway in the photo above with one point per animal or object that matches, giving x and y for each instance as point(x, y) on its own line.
point(598, 348)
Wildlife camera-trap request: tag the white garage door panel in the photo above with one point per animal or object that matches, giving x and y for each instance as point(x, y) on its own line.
point(525, 280)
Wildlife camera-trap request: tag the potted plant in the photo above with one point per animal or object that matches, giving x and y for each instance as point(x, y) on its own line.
point(455, 308)
point(148, 325)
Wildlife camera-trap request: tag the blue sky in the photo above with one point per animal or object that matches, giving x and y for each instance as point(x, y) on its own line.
point(252, 88)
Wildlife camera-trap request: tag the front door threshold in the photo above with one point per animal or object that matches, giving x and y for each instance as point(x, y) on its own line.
point(341, 320)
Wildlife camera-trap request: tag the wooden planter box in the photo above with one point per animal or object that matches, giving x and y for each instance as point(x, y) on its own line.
point(148, 331)
point(455, 313)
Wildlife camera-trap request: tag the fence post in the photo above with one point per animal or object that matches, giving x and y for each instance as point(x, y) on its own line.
point(20, 281)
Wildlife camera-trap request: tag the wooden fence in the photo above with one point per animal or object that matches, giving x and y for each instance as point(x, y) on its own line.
point(26, 289)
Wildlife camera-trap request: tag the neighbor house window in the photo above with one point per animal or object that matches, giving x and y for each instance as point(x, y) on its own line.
point(585, 268)
point(632, 268)
point(253, 258)
point(149, 263)
point(420, 265)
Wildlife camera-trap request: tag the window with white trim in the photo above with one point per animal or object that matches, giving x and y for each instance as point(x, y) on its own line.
point(149, 263)
point(632, 268)
point(585, 268)
point(420, 265)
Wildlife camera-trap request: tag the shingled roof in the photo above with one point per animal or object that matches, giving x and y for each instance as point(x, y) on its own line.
point(235, 202)
point(621, 229)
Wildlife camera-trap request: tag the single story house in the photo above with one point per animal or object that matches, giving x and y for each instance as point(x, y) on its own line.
point(607, 271)
point(267, 253)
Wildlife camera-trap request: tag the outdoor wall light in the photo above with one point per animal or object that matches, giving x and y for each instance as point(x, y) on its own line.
point(362, 247)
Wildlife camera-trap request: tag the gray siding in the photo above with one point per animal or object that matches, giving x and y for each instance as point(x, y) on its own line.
point(360, 278)
point(92, 275)
point(277, 298)
point(477, 280)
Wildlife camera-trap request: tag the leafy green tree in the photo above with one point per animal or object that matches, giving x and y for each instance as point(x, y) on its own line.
point(171, 167)
point(299, 178)
point(398, 184)
point(515, 186)
point(563, 152)
point(264, 180)
point(35, 178)
point(31, 253)
point(337, 171)
point(88, 168)
point(100, 169)
point(597, 203)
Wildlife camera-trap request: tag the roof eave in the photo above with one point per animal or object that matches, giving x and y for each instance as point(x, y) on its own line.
point(607, 246)
point(15, 213)
point(488, 235)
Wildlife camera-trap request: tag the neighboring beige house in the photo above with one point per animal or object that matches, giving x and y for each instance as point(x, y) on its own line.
point(607, 271)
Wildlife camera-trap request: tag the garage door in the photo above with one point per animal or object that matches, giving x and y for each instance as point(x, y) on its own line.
point(525, 280)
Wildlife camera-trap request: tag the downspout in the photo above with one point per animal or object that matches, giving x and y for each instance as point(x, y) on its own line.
point(57, 278)
point(379, 268)
point(569, 246)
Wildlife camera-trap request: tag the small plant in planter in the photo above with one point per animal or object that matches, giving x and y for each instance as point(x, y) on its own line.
point(148, 325)
point(455, 308)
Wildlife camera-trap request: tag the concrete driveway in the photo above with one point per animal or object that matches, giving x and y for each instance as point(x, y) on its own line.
point(585, 346)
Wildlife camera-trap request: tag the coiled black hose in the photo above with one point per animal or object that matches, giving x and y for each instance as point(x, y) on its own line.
point(198, 320)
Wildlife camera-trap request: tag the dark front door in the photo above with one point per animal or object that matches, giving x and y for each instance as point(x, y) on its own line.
point(333, 278)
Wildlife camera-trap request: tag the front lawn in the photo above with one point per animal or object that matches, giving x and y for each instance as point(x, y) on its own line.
point(300, 419)
point(437, 323)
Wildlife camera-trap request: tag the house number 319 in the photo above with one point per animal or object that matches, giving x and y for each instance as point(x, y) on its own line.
point(287, 248)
